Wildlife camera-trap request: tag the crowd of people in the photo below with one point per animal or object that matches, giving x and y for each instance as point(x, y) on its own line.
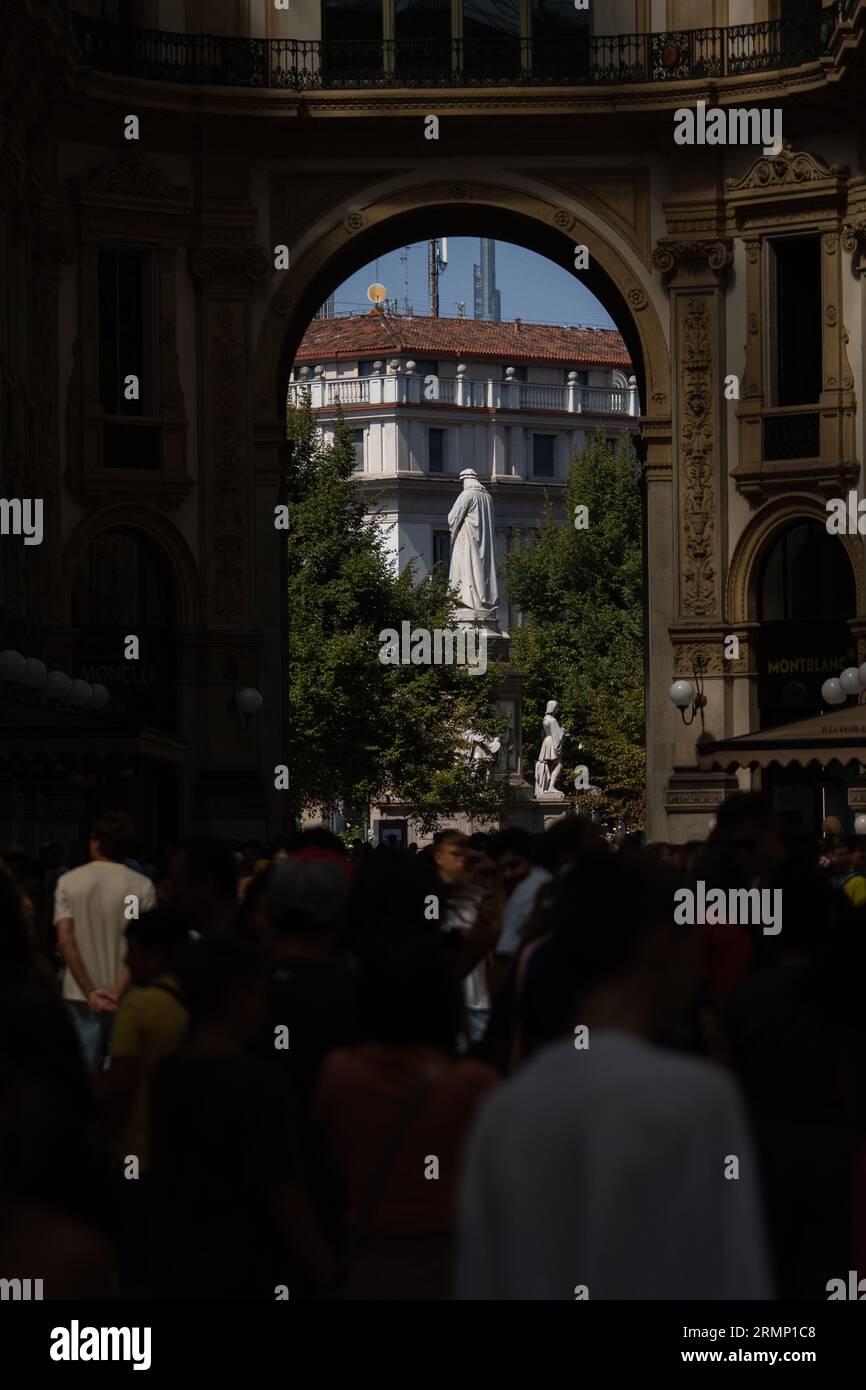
point(496, 1066)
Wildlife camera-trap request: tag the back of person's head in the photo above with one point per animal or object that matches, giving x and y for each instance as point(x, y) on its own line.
point(318, 837)
point(604, 910)
point(479, 839)
point(114, 834)
point(215, 972)
point(567, 840)
point(394, 894)
point(162, 931)
point(308, 892)
point(208, 860)
point(739, 817)
point(513, 839)
point(723, 866)
point(442, 837)
point(410, 992)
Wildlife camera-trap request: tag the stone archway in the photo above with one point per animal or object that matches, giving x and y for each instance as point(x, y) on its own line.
point(544, 221)
point(168, 540)
point(741, 603)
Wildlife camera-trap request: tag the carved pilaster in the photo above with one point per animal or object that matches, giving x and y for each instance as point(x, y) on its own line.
point(696, 324)
point(224, 465)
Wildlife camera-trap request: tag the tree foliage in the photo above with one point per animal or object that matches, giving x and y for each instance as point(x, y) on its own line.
point(580, 591)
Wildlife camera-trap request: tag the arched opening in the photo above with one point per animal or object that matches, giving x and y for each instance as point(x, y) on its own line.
point(343, 238)
point(550, 232)
point(806, 596)
point(517, 398)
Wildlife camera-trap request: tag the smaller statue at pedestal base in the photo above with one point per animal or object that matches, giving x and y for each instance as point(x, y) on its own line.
point(548, 765)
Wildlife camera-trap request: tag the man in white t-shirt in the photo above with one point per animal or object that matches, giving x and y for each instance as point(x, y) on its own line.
point(611, 1167)
point(90, 917)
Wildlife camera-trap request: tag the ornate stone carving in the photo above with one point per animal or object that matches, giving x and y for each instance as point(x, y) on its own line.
point(636, 298)
point(847, 374)
point(785, 168)
point(226, 497)
point(355, 221)
point(130, 177)
point(230, 261)
point(686, 655)
point(283, 303)
point(852, 236)
point(697, 502)
point(717, 254)
point(754, 322)
point(753, 250)
point(459, 190)
point(564, 219)
point(830, 315)
point(828, 241)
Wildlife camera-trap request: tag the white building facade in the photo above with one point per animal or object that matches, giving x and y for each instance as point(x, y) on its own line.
point(426, 398)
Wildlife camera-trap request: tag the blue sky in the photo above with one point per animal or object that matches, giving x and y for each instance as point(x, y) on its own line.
point(532, 288)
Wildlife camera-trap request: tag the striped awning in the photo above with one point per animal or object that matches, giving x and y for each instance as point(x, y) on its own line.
point(839, 736)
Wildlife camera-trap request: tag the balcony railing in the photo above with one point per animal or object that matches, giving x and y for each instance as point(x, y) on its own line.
point(596, 60)
point(408, 389)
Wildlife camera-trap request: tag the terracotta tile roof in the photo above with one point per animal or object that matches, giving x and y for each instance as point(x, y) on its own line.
point(513, 343)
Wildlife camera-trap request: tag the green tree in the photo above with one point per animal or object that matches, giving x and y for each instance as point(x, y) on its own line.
point(362, 731)
point(580, 590)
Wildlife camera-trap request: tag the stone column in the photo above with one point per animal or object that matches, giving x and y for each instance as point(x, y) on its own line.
point(695, 272)
point(233, 767)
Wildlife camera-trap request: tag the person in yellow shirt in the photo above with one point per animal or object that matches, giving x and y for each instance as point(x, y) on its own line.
point(854, 882)
point(151, 1024)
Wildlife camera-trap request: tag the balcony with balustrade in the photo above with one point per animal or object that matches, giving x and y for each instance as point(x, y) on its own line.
point(307, 66)
point(408, 389)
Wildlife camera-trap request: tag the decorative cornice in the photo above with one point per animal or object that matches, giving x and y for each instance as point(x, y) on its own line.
point(785, 169)
point(129, 178)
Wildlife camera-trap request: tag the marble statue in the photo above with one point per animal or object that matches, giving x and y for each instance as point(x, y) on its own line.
point(473, 561)
point(548, 765)
point(482, 753)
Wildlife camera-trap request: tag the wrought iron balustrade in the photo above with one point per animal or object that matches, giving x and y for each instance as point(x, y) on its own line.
point(597, 60)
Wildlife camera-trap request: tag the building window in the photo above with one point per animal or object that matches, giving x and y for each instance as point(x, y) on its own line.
point(796, 340)
point(491, 37)
point(435, 451)
point(542, 455)
point(358, 445)
point(127, 336)
point(426, 366)
point(422, 29)
point(442, 550)
point(352, 37)
point(580, 378)
point(560, 37)
point(366, 368)
point(519, 374)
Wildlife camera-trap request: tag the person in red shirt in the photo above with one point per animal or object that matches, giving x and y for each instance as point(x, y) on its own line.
point(395, 1112)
